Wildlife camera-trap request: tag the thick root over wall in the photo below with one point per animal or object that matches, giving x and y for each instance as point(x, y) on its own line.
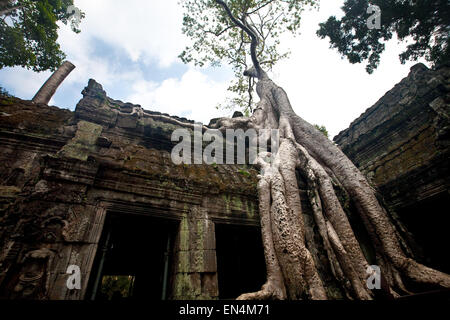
point(291, 270)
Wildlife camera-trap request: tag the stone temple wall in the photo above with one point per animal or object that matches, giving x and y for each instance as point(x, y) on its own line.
point(402, 145)
point(64, 172)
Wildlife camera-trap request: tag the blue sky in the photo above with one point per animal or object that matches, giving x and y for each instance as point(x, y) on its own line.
point(131, 48)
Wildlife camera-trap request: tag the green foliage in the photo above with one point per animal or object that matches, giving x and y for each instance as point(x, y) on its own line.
point(29, 33)
point(216, 40)
point(4, 93)
point(116, 287)
point(322, 129)
point(244, 172)
point(425, 22)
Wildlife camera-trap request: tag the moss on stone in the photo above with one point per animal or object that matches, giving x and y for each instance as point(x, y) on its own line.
point(16, 114)
point(84, 142)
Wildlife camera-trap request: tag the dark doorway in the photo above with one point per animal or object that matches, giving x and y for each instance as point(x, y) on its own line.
point(133, 258)
point(240, 260)
point(428, 222)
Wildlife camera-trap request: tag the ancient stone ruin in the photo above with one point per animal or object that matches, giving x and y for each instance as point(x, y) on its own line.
point(402, 145)
point(92, 207)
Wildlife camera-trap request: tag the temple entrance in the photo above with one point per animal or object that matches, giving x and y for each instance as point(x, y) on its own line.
point(133, 259)
point(428, 221)
point(240, 260)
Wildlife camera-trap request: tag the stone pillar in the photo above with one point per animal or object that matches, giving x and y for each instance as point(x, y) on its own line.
point(48, 89)
point(195, 267)
point(81, 238)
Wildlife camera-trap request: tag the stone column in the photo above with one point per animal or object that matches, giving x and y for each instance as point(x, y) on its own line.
point(195, 269)
point(48, 89)
point(81, 238)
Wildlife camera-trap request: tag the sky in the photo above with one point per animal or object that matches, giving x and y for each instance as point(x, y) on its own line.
point(131, 48)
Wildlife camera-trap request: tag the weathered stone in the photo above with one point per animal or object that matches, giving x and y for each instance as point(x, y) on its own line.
point(127, 121)
point(84, 142)
point(103, 142)
point(187, 286)
point(391, 141)
point(402, 144)
point(196, 261)
point(64, 171)
point(95, 107)
point(209, 285)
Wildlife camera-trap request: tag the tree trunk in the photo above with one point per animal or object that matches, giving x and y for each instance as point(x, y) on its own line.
point(291, 270)
point(49, 88)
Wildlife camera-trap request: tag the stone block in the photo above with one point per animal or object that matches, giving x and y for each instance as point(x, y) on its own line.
point(210, 287)
point(196, 261)
point(127, 121)
point(187, 286)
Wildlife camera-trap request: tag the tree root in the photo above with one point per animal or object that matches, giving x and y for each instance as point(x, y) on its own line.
point(291, 270)
point(269, 291)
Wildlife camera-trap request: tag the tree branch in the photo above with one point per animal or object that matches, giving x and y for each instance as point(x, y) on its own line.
point(4, 10)
point(8, 11)
point(218, 34)
point(260, 7)
point(252, 34)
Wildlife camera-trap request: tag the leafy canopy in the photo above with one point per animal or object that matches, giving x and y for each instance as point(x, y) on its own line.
point(425, 22)
point(215, 39)
point(29, 33)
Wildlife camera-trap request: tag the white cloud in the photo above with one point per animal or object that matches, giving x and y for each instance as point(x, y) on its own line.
point(147, 30)
point(79, 50)
point(194, 96)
